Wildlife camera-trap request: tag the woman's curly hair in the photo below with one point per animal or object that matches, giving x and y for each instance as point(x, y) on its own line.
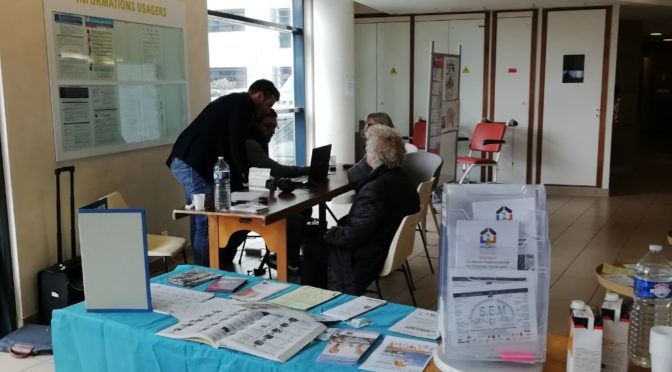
point(385, 146)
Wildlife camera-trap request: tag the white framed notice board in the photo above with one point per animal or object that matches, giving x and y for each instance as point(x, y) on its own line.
point(117, 73)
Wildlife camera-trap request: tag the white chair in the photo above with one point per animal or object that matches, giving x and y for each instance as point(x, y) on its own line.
point(163, 246)
point(410, 148)
point(422, 166)
point(402, 246)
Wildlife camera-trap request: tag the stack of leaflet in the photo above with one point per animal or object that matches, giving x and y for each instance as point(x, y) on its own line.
point(494, 279)
point(345, 347)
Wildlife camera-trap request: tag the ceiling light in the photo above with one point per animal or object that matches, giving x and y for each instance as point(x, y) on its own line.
point(667, 39)
point(656, 34)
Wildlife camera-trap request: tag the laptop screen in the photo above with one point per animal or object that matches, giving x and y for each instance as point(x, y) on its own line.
point(319, 164)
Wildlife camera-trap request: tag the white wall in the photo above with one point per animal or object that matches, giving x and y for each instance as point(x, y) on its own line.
point(28, 147)
point(331, 35)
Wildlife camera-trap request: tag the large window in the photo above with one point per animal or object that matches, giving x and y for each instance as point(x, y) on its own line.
point(224, 27)
point(225, 80)
point(267, 45)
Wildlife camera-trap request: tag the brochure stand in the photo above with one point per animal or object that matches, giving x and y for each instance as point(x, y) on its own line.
point(494, 278)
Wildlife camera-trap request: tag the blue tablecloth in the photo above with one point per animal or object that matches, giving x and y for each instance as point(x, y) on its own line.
point(127, 342)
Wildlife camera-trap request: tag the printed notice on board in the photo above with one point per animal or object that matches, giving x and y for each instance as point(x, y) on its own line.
point(72, 55)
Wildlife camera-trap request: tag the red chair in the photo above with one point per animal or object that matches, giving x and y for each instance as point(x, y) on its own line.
point(419, 134)
point(488, 138)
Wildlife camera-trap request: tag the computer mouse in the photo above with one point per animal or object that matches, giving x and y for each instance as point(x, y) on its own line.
point(263, 200)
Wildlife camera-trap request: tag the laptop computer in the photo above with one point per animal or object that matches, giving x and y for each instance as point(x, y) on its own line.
point(319, 168)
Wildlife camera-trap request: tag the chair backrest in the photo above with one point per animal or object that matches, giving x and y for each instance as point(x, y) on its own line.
point(115, 201)
point(404, 239)
point(422, 165)
point(425, 194)
point(487, 131)
point(419, 134)
point(410, 148)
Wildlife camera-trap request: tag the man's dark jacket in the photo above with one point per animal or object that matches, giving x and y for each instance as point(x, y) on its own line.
point(219, 130)
point(360, 244)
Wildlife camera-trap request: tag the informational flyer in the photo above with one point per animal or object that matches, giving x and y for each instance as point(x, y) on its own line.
point(420, 323)
point(520, 209)
point(400, 354)
point(486, 244)
point(354, 307)
point(260, 291)
point(498, 308)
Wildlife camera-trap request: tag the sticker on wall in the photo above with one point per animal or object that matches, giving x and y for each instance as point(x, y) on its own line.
point(393, 71)
point(512, 70)
point(465, 70)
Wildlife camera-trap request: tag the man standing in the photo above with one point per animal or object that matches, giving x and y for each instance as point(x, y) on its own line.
point(219, 130)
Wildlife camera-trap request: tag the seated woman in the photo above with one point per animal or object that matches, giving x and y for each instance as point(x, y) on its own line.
point(350, 256)
point(362, 169)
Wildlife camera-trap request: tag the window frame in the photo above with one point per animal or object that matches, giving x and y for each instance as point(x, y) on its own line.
point(297, 44)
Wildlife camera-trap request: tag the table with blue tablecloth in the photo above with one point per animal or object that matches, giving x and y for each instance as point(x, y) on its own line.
point(128, 342)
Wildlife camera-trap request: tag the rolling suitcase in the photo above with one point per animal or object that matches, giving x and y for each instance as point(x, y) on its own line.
point(61, 285)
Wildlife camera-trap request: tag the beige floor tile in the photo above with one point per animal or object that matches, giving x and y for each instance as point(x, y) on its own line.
point(42, 367)
point(558, 266)
point(10, 364)
point(569, 288)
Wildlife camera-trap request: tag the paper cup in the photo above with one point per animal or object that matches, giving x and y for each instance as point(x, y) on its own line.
point(660, 344)
point(198, 200)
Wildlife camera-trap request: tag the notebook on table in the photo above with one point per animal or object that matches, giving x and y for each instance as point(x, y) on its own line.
point(319, 168)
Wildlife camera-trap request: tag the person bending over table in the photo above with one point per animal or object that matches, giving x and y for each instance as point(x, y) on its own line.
point(362, 169)
point(349, 257)
point(219, 130)
point(256, 145)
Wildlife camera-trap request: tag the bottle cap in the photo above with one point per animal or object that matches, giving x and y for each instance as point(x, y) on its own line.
point(577, 305)
point(611, 297)
point(655, 248)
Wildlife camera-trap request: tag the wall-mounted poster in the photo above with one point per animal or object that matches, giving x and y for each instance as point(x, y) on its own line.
point(451, 80)
point(444, 109)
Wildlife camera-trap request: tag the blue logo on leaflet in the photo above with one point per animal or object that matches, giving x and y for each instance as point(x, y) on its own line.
point(653, 290)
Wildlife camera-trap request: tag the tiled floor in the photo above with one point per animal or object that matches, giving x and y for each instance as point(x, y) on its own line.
point(585, 232)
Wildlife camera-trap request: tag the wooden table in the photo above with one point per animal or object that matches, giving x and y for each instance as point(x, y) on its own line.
point(556, 356)
point(271, 225)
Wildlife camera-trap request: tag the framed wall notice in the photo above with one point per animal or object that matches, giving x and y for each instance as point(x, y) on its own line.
point(117, 72)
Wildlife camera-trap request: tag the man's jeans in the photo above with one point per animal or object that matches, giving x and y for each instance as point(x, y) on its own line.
point(193, 183)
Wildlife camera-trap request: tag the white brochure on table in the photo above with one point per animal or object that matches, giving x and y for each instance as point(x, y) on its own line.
point(492, 309)
point(420, 323)
point(257, 178)
point(168, 299)
point(353, 308)
point(260, 291)
point(487, 244)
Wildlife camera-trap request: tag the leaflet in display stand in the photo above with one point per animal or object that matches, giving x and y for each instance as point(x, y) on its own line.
point(494, 282)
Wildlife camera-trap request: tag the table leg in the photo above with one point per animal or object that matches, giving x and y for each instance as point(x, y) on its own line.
point(322, 216)
point(213, 241)
point(275, 236)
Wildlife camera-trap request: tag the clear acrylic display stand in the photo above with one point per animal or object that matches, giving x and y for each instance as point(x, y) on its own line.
point(494, 278)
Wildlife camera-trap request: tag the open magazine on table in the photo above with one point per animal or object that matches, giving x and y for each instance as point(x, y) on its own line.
point(224, 323)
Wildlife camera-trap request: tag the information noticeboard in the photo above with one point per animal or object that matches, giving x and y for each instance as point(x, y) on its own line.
point(117, 72)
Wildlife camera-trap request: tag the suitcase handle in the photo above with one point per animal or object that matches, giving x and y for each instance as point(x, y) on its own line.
point(59, 244)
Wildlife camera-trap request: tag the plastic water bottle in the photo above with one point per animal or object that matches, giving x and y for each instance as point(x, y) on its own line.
point(653, 302)
point(222, 179)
